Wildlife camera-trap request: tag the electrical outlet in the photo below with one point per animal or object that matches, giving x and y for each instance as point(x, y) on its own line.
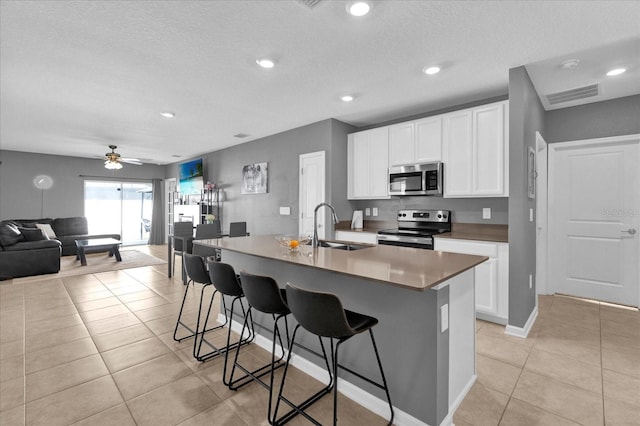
point(375, 211)
point(285, 211)
point(486, 213)
point(444, 318)
point(530, 281)
point(367, 211)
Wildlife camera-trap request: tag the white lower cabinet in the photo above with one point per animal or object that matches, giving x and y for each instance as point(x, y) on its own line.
point(491, 277)
point(357, 237)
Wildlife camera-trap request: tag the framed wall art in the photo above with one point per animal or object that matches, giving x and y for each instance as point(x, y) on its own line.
point(254, 178)
point(531, 173)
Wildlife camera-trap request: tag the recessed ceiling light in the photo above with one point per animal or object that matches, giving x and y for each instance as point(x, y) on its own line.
point(168, 114)
point(266, 62)
point(358, 8)
point(431, 70)
point(569, 64)
point(616, 71)
point(346, 98)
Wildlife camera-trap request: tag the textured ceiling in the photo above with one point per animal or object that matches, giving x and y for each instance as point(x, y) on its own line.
point(78, 76)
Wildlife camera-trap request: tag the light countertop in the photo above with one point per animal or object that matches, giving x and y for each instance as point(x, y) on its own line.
point(406, 267)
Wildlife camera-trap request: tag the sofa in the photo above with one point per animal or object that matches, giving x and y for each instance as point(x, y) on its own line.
point(25, 250)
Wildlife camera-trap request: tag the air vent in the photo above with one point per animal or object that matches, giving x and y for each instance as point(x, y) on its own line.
point(241, 135)
point(308, 3)
point(574, 94)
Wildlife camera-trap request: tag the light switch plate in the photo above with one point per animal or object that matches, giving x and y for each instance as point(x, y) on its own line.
point(486, 213)
point(444, 318)
point(367, 211)
point(375, 211)
point(530, 215)
point(285, 211)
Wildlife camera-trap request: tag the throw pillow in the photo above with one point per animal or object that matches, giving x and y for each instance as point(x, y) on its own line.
point(47, 230)
point(9, 234)
point(33, 234)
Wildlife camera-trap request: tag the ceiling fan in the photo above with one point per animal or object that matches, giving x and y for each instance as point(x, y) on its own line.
point(113, 159)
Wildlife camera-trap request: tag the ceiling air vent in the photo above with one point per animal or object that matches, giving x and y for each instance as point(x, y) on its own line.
point(308, 3)
point(241, 135)
point(574, 94)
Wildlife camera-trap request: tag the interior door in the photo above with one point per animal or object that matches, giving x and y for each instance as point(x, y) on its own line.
point(594, 209)
point(312, 192)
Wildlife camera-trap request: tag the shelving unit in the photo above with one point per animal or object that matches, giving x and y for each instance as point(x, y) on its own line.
point(197, 208)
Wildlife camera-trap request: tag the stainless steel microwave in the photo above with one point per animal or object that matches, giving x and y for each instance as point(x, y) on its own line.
point(416, 179)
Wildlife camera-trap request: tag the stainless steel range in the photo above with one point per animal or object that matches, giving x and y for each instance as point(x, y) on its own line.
point(416, 228)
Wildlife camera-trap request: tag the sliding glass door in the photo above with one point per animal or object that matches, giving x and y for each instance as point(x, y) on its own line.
point(123, 208)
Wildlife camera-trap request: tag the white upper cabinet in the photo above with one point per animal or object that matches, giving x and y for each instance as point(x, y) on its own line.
point(418, 141)
point(368, 164)
point(458, 154)
point(428, 139)
point(475, 152)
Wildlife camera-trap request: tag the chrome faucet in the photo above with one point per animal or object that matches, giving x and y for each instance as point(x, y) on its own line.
point(314, 242)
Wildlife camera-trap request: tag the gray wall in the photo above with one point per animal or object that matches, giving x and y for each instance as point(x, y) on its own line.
point(526, 116)
point(596, 120)
point(20, 199)
point(464, 210)
point(281, 151)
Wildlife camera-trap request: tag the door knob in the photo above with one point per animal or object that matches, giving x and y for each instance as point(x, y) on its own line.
point(630, 231)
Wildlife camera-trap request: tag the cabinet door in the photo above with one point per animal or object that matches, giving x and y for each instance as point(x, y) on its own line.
point(458, 154)
point(489, 150)
point(487, 287)
point(378, 161)
point(401, 145)
point(359, 163)
point(428, 139)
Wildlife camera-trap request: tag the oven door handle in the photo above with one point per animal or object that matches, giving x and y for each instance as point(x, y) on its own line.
point(405, 239)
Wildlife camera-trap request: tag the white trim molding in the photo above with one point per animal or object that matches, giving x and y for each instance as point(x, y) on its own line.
point(523, 332)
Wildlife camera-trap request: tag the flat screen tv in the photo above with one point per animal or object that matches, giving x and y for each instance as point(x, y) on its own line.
point(191, 176)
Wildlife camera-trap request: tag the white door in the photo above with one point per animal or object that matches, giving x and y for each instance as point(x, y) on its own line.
point(488, 150)
point(312, 193)
point(428, 139)
point(594, 210)
point(541, 215)
point(457, 152)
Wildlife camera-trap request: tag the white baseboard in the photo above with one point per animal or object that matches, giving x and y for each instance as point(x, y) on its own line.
point(448, 421)
point(348, 389)
point(523, 332)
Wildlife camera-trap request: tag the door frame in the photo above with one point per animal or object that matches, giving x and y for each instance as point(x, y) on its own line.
point(542, 218)
point(321, 154)
point(552, 159)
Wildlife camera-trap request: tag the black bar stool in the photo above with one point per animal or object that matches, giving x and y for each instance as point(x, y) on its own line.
point(263, 295)
point(322, 314)
point(196, 273)
point(227, 283)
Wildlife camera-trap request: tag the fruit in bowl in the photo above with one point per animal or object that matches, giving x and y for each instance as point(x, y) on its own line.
point(292, 242)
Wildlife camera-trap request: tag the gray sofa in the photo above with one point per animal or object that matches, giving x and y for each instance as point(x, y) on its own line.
point(25, 251)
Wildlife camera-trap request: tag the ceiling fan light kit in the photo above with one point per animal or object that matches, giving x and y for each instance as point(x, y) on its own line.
point(114, 160)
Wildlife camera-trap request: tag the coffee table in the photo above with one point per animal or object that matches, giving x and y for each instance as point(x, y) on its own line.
point(98, 244)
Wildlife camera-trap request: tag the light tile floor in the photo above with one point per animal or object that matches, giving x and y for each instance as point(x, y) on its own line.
point(98, 350)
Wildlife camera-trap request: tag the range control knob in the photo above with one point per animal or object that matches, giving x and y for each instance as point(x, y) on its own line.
point(439, 216)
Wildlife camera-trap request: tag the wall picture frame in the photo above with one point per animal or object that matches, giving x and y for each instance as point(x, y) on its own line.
point(254, 178)
point(531, 173)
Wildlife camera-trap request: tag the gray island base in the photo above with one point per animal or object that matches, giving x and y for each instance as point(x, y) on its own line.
point(426, 336)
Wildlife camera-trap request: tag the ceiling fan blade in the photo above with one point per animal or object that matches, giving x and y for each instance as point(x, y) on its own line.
point(134, 161)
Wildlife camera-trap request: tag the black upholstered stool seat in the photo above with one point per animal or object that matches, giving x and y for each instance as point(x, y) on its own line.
point(322, 314)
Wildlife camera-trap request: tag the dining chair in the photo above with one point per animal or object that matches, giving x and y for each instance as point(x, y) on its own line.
point(238, 229)
point(181, 239)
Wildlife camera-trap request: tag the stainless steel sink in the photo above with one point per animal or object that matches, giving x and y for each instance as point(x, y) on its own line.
point(341, 246)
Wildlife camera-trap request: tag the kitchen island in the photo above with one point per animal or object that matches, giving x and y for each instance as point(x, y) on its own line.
point(423, 299)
